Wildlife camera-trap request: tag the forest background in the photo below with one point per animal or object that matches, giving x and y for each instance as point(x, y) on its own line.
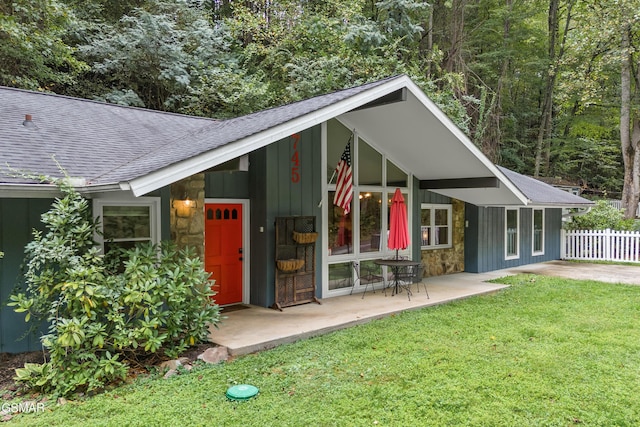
point(547, 88)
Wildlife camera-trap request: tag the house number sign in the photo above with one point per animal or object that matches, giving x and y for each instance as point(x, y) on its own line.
point(295, 159)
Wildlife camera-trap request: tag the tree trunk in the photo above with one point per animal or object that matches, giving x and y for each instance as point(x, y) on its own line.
point(430, 42)
point(454, 61)
point(546, 109)
point(493, 137)
point(628, 143)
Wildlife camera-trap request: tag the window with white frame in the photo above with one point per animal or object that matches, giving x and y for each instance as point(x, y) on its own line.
point(124, 223)
point(436, 230)
point(538, 232)
point(361, 234)
point(512, 235)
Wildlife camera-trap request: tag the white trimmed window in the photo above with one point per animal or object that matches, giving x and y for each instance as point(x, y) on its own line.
point(436, 228)
point(512, 234)
point(538, 232)
point(124, 223)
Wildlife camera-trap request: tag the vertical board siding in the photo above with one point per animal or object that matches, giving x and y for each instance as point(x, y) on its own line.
point(274, 194)
point(227, 185)
point(18, 217)
point(485, 238)
point(268, 185)
point(427, 196)
point(261, 250)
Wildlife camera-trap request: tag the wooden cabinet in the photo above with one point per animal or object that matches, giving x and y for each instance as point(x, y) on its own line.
point(295, 261)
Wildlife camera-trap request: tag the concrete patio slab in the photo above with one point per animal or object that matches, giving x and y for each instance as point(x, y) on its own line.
point(258, 328)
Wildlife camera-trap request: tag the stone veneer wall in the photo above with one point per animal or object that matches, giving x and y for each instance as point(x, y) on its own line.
point(450, 260)
point(187, 224)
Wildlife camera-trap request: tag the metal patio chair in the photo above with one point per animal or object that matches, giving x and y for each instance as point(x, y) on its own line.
point(367, 276)
point(419, 279)
point(409, 275)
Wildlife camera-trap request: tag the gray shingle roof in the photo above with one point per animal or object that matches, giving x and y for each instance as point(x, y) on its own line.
point(228, 131)
point(540, 193)
point(109, 144)
point(89, 139)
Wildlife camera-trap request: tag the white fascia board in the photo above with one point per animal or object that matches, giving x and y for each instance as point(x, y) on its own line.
point(560, 205)
point(173, 173)
point(48, 191)
point(29, 191)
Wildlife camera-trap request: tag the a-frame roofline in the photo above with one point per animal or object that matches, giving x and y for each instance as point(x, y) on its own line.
point(113, 147)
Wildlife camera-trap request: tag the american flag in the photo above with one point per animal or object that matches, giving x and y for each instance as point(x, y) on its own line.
point(344, 184)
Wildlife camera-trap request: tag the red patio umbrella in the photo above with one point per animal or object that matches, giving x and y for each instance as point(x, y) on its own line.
point(398, 224)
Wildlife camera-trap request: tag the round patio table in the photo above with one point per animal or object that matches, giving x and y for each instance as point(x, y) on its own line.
point(395, 265)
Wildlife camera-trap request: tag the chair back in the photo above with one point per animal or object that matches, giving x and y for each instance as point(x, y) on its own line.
point(356, 268)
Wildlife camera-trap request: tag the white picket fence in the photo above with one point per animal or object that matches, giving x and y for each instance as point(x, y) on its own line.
point(601, 245)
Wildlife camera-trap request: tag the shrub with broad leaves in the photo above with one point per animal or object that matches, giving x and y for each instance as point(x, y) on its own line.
point(602, 216)
point(101, 319)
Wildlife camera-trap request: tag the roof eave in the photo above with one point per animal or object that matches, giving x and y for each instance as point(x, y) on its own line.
point(47, 191)
point(538, 205)
point(183, 169)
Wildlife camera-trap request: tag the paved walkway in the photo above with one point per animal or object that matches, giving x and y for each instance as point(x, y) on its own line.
point(610, 273)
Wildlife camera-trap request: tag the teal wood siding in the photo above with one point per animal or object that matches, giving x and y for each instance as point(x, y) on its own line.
point(553, 234)
point(485, 238)
point(472, 250)
point(427, 196)
point(18, 217)
point(288, 198)
point(273, 194)
point(227, 185)
point(165, 211)
point(415, 214)
point(261, 286)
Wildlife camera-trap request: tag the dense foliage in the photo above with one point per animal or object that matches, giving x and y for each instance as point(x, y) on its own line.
point(103, 319)
point(542, 87)
point(602, 216)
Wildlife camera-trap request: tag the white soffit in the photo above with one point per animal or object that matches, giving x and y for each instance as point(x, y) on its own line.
point(420, 139)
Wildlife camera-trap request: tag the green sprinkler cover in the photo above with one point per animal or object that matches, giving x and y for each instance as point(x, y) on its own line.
point(242, 392)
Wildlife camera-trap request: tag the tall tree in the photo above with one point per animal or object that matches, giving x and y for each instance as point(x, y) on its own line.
point(556, 43)
point(33, 49)
point(629, 124)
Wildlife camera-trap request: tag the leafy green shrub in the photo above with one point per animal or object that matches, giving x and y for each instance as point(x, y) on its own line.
point(103, 320)
point(601, 217)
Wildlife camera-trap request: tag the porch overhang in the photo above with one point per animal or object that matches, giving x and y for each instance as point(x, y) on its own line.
point(419, 138)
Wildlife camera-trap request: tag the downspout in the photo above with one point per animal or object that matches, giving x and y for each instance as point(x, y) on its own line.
point(578, 212)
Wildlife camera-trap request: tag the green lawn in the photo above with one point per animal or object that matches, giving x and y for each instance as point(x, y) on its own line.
point(546, 351)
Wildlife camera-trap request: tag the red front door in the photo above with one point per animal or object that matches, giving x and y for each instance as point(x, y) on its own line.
point(223, 250)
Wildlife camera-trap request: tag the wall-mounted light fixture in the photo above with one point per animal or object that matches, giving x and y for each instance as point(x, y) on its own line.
point(183, 204)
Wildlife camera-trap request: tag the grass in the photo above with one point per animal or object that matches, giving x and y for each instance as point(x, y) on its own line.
point(544, 352)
